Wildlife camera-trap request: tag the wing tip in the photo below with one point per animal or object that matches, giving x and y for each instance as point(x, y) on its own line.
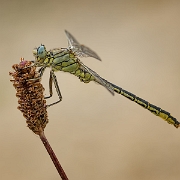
point(111, 91)
point(98, 58)
point(66, 32)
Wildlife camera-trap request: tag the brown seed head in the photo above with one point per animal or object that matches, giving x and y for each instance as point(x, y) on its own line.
point(30, 95)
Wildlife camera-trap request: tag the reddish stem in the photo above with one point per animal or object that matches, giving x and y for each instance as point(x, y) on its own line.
point(53, 156)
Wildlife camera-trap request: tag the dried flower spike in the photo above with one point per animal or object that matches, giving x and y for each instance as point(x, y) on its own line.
point(30, 95)
point(32, 104)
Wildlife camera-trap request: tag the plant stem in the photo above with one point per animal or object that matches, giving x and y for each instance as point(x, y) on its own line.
point(52, 155)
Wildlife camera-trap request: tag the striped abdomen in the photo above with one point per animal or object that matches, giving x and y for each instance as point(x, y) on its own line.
point(145, 104)
point(87, 77)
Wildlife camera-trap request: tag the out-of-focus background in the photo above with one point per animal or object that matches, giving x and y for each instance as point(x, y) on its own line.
point(95, 135)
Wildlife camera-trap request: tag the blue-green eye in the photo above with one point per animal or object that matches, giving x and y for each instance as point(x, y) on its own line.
point(41, 52)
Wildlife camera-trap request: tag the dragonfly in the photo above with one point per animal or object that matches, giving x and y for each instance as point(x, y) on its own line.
point(68, 60)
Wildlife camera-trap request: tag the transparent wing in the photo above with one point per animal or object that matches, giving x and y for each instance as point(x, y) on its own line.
point(98, 79)
point(79, 49)
point(71, 40)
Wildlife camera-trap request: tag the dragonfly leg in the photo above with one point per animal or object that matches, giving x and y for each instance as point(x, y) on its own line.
point(41, 71)
point(50, 87)
point(54, 80)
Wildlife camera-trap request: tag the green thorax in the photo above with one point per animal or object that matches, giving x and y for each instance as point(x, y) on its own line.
point(63, 60)
point(59, 60)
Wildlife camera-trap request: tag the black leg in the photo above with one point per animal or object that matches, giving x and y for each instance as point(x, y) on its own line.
point(50, 87)
point(41, 71)
point(53, 78)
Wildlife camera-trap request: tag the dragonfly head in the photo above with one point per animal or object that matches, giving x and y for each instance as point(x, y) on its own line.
point(40, 52)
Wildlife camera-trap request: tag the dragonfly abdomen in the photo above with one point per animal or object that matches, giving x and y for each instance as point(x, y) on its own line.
point(145, 104)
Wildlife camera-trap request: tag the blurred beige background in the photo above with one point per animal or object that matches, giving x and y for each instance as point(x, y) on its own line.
point(94, 135)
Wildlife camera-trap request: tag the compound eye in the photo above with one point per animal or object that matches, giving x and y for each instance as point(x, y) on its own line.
point(41, 52)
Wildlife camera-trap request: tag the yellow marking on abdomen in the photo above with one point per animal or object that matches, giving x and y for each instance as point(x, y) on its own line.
point(145, 104)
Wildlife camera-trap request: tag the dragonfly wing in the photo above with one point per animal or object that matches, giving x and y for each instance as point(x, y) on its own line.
point(84, 51)
point(79, 49)
point(71, 40)
point(98, 78)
